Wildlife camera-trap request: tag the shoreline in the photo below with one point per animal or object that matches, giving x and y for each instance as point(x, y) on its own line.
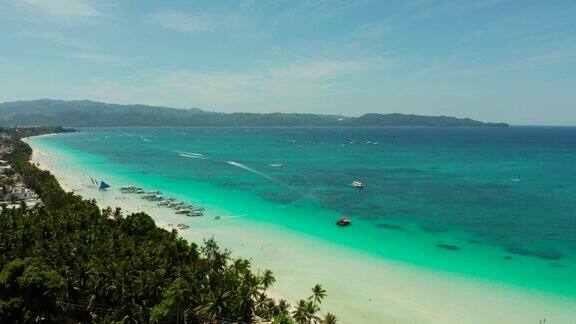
point(380, 290)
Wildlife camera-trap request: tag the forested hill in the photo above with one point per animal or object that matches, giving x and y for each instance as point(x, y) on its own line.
point(416, 120)
point(87, 113)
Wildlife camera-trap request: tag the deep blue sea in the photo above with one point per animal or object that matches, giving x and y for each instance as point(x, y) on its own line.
point(493, 203)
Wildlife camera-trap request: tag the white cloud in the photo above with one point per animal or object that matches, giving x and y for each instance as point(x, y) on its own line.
point(172, 19)
point(326, 69)
point(552, 57)
point(55, 37)
point(452, 8)
point(63, 8)
point(305, 85)
point(102, 58)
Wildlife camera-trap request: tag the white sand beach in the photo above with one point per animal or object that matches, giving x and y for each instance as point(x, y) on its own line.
point(361, 288)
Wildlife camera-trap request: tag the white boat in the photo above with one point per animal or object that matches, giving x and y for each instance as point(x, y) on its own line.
point(182, 206)
point(276, 165)
point(154, 197)
point(128, 189)
point(195, 213)
point(357, 185)
point(175, 204)
point(166, 202)
point(183, 211)
point(182, 226)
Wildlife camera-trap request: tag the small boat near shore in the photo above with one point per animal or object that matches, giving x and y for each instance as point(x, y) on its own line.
point(195, 213)
point(183, 211)
point(180, 207)
point(166, 202)
point(131, 189)
point(343, 221)
point(103, 186)
point(153, 196)
point(182, 226)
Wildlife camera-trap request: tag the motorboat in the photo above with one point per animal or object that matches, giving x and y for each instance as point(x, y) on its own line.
point(343, 221)
point(357, 185)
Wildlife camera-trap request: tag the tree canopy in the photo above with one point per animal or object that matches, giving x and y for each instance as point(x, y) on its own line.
point(70, 261)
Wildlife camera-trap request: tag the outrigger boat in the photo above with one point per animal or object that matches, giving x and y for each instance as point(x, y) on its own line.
point(156, 198)
point(182, 206)
point(166, 202)
point(357, 185)
point(131, 189)
point(153, 195)
point(343, 221)
point(195, 213)
point(182, 226)
point(175, 204)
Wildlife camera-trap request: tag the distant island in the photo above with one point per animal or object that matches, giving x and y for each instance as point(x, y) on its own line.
point(86, 113)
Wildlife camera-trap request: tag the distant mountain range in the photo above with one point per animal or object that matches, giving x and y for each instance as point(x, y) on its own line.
point(85, 113)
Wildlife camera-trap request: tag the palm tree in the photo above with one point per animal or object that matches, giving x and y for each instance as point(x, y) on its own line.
point(283, 306)
point(330, 319)
point(299, 313)
point(311, 310)
point(267, 279)
point(318, 293)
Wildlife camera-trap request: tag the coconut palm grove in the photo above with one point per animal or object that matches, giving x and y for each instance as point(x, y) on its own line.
point(69, 261)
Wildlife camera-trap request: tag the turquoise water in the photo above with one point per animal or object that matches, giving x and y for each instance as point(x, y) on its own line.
point(495, 204)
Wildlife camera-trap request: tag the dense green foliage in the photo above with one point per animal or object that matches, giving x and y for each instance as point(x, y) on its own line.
point(70, 261)
point(18, 132)
point(89, 113)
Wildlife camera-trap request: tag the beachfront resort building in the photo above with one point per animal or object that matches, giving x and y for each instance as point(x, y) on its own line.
point(13, 192)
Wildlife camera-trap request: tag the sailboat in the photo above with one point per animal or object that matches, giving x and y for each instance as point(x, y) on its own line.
point(103, 186)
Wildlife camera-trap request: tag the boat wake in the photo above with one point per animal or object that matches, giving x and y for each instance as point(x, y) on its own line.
point(192, 153)
point(233, 216)
point(303, 197)
point(242, 166)
point(193, 156)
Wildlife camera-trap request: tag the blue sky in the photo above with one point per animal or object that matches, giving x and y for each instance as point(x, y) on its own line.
point(493, 60)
